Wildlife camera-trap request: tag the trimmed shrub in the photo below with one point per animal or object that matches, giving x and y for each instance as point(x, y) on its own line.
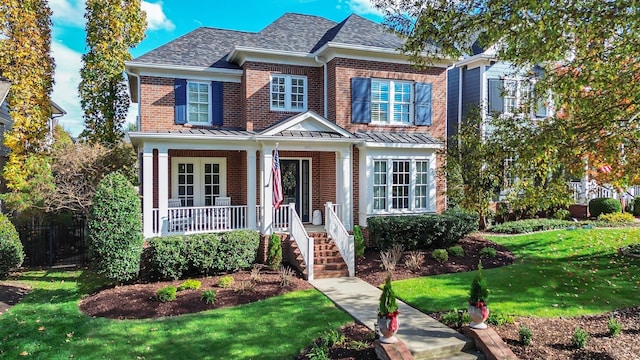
point(580, 338)
point(358, 241)
point(274, 253)
point(456, 251)
point(11, 254)
point(226, 282)
point(421, 231)
point(526, 335)
point(115, 229)
point(636, 206)
point(166, 294)
point(488, 252)
point(172, 257)
point(600, 206)
point(530, 225)
point(617, 218)
point(168, 256)
point(562, 214)
point(440, 255)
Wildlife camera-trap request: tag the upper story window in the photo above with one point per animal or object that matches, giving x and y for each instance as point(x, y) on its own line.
point(198, 106)
point(509, 96)
point(391, 102)
point(198, 102)
point(288, 93)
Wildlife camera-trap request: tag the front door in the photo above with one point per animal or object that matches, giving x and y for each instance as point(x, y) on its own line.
point(296, 185)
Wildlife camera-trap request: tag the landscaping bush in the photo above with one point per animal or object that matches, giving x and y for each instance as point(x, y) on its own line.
point(166, 294)
point(636, 206)
point(274, 253)
point(580, 338)
point(226, 282)
point(530, 225)
point(614, 327)
point(562, 214)
point(168, 256)
point(440, 255)
point(115, 229)
point(358, 241)
point(208, 296)
point(456, 251)
point(11, 254)
point(617, 218)
point(600, 206)
point(190, 284)
point(526, 335)
point(421, 231)
point(172, 257)
point(488, 252)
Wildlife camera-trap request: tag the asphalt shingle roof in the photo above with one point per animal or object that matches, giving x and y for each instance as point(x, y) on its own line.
point(208, 47)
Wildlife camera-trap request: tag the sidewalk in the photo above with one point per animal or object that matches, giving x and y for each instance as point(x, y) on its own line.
point(422, 334)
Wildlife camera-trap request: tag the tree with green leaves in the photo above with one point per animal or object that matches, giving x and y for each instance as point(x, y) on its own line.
point(25, 60)
point(588, 50)
point(113, 27)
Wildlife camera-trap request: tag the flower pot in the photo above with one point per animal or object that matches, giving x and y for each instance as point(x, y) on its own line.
point(478, 315)
point(388, 329)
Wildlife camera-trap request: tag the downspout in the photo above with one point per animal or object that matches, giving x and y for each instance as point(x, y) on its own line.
point(325, 88)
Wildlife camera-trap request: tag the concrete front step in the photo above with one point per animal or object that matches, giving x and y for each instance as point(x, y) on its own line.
point(425, 337)
point(463, 355)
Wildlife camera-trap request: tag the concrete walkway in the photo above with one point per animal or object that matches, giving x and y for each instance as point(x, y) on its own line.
point(424, 336)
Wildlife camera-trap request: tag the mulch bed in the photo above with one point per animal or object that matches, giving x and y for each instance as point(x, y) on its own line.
point(551, 337)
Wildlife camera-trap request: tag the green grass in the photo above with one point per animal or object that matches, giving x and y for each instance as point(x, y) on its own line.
point(47, 324)
point(556, 273)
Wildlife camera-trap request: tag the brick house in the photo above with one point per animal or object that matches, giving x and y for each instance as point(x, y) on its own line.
point(356, 127)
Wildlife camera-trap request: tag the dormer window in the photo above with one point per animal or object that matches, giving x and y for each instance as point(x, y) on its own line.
point(288, 93)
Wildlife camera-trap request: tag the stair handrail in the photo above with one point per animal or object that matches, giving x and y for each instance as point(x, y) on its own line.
point(344, 242)
point(302, 239)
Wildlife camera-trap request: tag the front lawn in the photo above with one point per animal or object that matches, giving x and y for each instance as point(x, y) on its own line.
point(47, 324)
point(556, 273)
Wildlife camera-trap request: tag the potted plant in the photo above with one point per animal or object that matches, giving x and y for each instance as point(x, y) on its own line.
point(478, 310)
point(388, 314)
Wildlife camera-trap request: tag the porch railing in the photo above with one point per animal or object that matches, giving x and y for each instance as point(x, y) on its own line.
point(302, 239)
point(342, 239)
point(281, 217)
point(201, 219)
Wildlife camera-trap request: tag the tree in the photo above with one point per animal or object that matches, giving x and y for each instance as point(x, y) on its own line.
point(113, 27)
point(25, 60)
point(587, 49)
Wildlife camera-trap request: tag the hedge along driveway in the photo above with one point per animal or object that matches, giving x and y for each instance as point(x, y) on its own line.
point(47, 324)
point(556, 273)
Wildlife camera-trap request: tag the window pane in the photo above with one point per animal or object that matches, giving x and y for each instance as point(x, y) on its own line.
point(379, 185)
point(198, 102)
point(400, 184)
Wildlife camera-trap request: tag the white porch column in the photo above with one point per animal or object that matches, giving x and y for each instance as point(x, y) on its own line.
point(163, 187)
point(252, 177)
point(344, 192)
point(266, 226)
point(147, 192)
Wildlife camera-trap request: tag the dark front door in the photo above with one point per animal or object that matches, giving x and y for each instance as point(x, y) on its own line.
point(295, 185)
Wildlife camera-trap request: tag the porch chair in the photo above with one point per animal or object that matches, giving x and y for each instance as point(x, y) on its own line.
point(222, 216)
point(181, 217)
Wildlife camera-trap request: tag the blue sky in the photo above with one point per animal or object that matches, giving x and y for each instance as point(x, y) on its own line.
point(168, 20)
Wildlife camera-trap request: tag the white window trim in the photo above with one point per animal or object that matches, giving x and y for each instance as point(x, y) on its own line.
point(198, 172)
point(390, 113)
point(412, 185)
point(209, 112)
point(520, 98)
point(287, 93)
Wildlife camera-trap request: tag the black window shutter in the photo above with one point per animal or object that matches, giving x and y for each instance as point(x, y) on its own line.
point(216, 103)
point(180, 94)
point(361, 100)
point(423, 104)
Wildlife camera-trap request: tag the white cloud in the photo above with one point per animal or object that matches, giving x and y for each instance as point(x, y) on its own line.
point(156, 18)
point(363, 7)
point(68, 12)
point(65, 89)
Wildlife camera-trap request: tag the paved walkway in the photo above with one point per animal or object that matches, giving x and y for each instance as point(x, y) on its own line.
point(421, 333)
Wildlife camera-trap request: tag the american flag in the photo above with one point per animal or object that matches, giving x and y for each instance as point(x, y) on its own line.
point(277, 181)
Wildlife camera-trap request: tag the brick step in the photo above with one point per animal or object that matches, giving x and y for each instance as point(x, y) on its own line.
point(328, 260)
point(323, 267)
point(325, 253)
point(325, 274)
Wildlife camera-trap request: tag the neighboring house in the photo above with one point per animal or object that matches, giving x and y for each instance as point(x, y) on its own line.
point(354, 123)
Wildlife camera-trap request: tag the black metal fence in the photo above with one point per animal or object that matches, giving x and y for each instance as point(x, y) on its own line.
point(59, 241)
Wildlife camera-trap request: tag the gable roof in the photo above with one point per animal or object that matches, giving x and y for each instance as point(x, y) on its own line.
point(298, 33)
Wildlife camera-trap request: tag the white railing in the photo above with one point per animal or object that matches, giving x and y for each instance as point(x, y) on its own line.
point(205, 219)
point(155, 221)
point(342, 239)
point(302, 239)
point(281, 217)
point(578, 193)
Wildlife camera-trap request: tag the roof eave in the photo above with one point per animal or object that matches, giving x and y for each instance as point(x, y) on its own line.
point(335, 49)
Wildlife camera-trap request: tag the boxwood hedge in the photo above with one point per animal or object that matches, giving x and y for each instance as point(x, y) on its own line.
point(421, 231)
